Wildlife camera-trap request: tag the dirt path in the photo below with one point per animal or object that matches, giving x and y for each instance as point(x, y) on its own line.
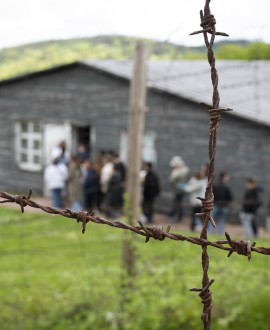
point(184, 226)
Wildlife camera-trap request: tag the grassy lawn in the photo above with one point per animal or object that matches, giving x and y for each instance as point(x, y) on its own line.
point(53, 277)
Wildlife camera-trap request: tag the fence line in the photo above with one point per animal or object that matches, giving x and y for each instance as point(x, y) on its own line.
point(241, 247)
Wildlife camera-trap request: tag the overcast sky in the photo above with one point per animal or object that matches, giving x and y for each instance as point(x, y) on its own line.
point(26, 21)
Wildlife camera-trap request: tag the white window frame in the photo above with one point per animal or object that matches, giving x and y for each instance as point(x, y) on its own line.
point(30, 136)
point(149, 150)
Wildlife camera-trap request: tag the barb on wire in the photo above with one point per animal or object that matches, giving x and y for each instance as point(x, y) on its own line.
point(19, 199)
point(206, 296)
point(242, 247)
point(155, 232)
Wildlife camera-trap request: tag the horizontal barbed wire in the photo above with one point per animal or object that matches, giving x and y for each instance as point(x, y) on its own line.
point(241, 247)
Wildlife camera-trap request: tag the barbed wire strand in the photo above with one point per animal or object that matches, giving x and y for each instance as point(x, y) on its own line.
point(208, 23)
point(156, 232)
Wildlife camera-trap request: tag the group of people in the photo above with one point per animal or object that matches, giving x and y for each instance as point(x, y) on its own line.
point(97, 185)
point(100, 185)
point(195, 187)
point(84, 184)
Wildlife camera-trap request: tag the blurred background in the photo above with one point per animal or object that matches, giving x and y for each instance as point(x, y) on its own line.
point(66, 71)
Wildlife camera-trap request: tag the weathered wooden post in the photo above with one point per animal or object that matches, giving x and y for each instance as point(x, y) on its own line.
point(136, 125)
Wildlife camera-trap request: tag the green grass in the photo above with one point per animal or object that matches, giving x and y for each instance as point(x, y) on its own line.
point(53, 277)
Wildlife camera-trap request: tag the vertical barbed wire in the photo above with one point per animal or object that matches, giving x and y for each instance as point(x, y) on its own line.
point(208, 23)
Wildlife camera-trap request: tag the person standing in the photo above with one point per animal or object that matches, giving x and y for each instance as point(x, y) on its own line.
point(62, 149)
point(151, 190)
point(119, 166)
point(90, 187)
point(196, 188)
point(83, 153)
point(115, 194)
point(260, 190)
point(106, 173)
point(55, 177)
point(97, 166)
point(251, 203)
point(178, 176)
point(74, 183)
point(223, 197)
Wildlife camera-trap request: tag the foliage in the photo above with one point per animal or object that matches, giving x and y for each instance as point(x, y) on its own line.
point(43, 55)
point(253, 51)
point(53, 277)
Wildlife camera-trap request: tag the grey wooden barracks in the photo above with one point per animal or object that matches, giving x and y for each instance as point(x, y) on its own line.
point(88, 102)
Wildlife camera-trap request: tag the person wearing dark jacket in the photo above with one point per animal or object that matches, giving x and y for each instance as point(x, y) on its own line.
point(119, 166)
point(251, 203)
point(90, 186)
point(115, 194)
point(222, 199)
point(150, 191)
point(254, 220)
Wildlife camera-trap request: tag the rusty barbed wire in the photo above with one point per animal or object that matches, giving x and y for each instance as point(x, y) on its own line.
point(208, 23)
point(156, 232)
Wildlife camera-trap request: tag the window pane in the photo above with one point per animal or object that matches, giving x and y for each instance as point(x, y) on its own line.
point(24, 126)
point(36, 159)
point(149, 152)
point(24, 158)
point(24, 143)
point(36, 144)
point(28, 144)
point(36, 127)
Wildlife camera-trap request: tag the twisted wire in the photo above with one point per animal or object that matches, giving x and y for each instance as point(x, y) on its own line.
point(155, 232)
point(208, 23)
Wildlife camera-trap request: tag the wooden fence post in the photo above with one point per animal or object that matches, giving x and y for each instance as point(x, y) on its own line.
point(136, 125)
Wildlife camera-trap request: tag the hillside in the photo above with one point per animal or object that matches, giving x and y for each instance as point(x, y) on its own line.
point(38, 56)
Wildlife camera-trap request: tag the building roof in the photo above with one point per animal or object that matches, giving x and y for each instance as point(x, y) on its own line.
point(244, 86)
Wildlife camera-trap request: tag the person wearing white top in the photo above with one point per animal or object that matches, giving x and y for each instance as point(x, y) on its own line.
point(55, 176)
point(106, 173)
point(178, 177)
point(196, 188)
